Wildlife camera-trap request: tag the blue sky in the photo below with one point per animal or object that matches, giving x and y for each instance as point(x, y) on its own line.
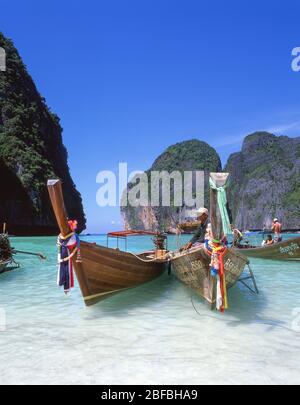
point(129, 78)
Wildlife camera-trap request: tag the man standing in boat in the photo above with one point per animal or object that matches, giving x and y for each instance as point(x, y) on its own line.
point(276, 228)
point(203, 229)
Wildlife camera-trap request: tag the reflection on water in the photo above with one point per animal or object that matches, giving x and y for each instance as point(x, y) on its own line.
point(157, 333)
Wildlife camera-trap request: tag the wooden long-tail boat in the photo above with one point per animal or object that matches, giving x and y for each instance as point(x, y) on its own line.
point(288, 250)
point(103, 271)
point(188, 226)
point(193, 267)
point(7, 253)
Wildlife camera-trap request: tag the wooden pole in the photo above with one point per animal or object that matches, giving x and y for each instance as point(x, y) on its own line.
point(57, 200)
point(4, 227)
point(40, 255)
point(220, 180)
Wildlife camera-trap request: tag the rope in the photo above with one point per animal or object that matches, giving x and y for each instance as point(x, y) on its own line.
point(222, 202)
point(195, 309)
point(178, 240)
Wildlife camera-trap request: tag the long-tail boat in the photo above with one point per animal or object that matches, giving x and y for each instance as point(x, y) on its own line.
point(104, 271)
point(287, 250)
point(188, 226)
point(193, 267)
point(6, 256)
point(6, 253)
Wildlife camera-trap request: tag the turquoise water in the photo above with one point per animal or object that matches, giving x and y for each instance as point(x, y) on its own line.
point(148, 335)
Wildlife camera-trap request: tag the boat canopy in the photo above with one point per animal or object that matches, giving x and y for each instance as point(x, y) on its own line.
point(124, 234)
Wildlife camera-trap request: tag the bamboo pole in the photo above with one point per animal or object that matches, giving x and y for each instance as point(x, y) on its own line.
point(40, 255)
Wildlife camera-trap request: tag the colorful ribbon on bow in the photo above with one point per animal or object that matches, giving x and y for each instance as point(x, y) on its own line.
point(217, 251)
point(68, 246)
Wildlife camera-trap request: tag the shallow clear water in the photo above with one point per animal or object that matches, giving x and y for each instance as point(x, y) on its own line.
point(147, 335)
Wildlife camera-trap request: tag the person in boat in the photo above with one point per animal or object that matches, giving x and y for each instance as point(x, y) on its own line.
point(203, 232)
point(268, 241)
point(277, 228)
point(237, 237)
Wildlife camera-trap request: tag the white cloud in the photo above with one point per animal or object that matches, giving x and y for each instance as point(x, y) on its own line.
point(230, 140)
point(288, 128)
point(279, 129)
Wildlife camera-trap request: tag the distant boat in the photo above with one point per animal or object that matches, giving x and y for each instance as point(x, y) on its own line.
point(189, 226)
point(288, 250)
point(103, 271)
point(6, 253)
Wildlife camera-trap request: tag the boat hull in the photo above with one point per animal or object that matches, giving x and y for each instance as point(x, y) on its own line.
point(192, 268)
point(288, 250)
point(104, 272)
point(3, 265)
point(7, 265)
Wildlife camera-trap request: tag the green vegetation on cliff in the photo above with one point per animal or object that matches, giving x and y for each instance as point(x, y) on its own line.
point(188, 155)
point(31, 148)
point(193, 155)
point(265, 181)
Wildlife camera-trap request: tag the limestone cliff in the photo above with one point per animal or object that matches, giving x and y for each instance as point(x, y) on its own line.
point(184, 156)
point(31, 151)
point(265, 181)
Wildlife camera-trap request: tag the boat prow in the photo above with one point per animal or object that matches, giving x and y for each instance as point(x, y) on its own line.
point(102, 271)
point(3, 265)
point(193, 269)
